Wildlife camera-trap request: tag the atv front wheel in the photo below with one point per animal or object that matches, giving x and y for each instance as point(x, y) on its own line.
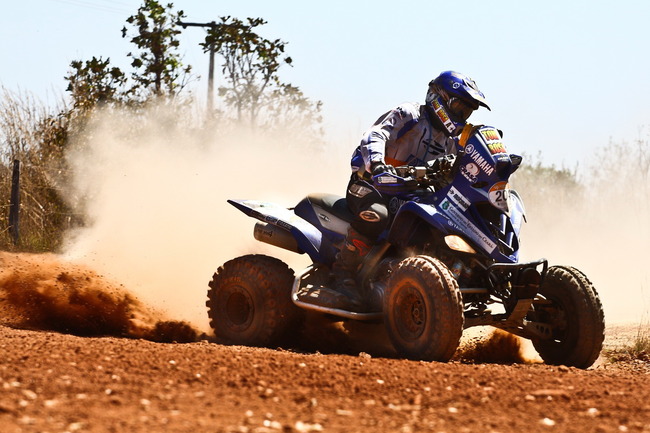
point(423, 310)
point(249, 301)
point(573, 311)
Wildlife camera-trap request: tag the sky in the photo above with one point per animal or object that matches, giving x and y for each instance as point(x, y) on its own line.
point(563, 78)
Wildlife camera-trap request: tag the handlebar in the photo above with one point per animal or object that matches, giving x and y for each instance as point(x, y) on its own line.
point(414, 172)
point(437, 173)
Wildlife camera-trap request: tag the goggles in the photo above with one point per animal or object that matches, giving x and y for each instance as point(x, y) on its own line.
point(460, 109)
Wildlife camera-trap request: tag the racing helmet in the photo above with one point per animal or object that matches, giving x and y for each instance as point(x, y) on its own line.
point(451, 99)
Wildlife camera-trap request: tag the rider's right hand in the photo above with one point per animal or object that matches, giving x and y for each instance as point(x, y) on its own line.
point(380, 167)
point(442, 167)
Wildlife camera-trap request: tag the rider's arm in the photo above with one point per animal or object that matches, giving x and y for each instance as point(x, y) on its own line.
point(388, 127)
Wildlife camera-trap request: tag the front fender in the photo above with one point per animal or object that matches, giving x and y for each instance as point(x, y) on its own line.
point(408, 214)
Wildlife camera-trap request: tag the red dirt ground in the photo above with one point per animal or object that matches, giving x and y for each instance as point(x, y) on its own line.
point(81, 355)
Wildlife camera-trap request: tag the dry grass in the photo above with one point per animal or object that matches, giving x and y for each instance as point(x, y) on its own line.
point(629, 343)
point(35, 135)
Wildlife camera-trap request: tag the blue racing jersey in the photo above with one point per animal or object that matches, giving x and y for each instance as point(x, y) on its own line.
point(402, 136)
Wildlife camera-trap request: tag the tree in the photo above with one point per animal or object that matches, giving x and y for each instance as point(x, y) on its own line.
point(624, 166)
point(546, 188)
point(295, 117)
point(94, 83)
point(251, 65)
point(159, 69)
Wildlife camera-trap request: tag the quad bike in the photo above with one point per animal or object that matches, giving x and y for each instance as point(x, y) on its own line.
point(447, 261)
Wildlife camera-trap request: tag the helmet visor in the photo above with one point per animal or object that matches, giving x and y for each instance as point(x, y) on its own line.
point(460, 109)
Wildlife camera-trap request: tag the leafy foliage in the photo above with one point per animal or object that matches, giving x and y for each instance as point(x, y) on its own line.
point(254, 89)
point(299, 118)
point(250, 64)
point(41, 138)
point(158, 74)
point(546, 187)
point(159, 69)
point(628, 167)
point(94, 83)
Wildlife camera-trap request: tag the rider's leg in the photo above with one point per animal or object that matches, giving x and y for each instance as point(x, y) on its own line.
point(348, 261)
point(372, 214)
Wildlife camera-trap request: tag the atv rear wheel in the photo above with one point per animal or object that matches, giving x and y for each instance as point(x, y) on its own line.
point(249, 301)
point(423, 310)
point(574, 313)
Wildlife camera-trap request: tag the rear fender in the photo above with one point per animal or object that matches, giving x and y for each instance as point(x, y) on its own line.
point(309, 239)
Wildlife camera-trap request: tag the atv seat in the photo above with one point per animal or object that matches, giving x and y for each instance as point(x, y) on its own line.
point(334, 204)
point(332, 213)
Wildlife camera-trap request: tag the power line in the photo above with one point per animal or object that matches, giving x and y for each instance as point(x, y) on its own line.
point(119, 3)
point(102, 6)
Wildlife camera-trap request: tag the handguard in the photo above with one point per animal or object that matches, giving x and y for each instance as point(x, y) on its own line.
point(392, 184)
point(437, 173)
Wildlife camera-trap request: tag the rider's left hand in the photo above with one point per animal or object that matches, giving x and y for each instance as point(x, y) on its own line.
point(380, 167)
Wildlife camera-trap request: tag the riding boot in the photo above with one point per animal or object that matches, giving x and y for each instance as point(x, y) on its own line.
point(348, 261)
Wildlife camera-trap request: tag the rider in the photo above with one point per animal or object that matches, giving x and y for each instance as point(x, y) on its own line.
point(410, 134)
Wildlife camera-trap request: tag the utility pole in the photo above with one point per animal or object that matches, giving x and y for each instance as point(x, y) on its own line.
point(211, 25)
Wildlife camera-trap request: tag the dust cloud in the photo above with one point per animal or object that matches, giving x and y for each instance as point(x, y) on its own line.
point(602, 228)
point(154, 195)
point(488, 345)
point(43, 292)
point(156, 198)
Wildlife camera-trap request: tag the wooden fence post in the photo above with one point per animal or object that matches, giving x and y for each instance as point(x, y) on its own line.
point(14, 205)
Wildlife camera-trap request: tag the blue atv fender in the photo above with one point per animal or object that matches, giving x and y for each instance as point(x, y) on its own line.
point(309, 239)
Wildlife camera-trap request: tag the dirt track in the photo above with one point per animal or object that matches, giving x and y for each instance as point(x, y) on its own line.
point(57, 382)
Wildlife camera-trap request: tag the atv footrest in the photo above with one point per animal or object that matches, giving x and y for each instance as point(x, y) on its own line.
point(315, 297)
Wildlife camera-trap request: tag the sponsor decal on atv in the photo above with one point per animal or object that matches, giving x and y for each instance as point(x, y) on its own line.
point(497, 147)
point(480, 161)
point(499, 194)
point(466, 225)
point(387, 179)
point(470, 171)
point(490, 135)
point(394, 204)
point(458, 199)
point(370, 216)
point(492, 139)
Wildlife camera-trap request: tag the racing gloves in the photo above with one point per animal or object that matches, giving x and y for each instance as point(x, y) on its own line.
point(380, 167)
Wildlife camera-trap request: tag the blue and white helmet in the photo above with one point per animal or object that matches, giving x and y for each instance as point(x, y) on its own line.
point(451, 98)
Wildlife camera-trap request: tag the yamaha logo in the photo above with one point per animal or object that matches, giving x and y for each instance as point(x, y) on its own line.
point(394, 205)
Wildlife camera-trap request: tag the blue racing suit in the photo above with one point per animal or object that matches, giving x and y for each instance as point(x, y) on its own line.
point(404, 135)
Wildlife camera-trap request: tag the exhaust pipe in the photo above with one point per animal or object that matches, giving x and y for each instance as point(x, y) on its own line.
point(276, 236)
